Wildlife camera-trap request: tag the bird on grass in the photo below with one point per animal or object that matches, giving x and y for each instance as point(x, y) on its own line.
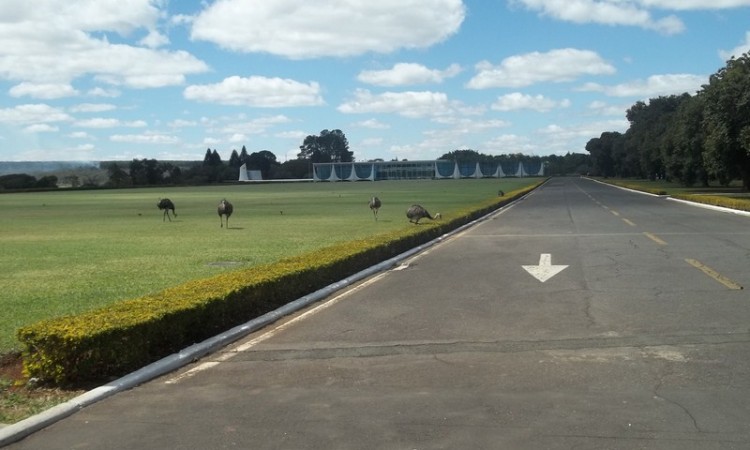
point(417, 212)
point(166, 204)
point(375, 206)
point(225, 209)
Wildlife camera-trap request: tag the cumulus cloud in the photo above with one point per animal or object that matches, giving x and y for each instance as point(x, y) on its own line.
point(302, 29)
point(92, 107)
point(653, 86)
point(257, 91)
point(407, 104)
point(607, 12)
point(33, 113)
point(556, 66)
point(70, 42)
point(738, 51)
point(147, 138)
point(517, 100)
point(373, 124)
point(101, 122)
point(403, 74)
point(46, 91)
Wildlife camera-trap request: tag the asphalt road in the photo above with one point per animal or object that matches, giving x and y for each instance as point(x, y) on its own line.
point(638, 337)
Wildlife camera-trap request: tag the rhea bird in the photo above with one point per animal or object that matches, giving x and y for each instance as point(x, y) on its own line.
point(166, 204)
point(225, 209)
point(417, 212)
point(375, 206)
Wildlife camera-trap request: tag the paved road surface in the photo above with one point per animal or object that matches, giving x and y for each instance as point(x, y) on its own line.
point(642, 341)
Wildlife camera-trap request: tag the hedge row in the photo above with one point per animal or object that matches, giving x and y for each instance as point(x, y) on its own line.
point(741, 203)
point(109, 342)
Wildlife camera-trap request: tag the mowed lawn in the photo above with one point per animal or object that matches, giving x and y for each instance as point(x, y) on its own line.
point(70, 251)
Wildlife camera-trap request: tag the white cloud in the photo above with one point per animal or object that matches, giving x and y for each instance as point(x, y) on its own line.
point(236, 129)
point(556, 66)
point(516, 100)
point(372, 124)
point(45, 91)
point(92, 107)
point(257, 91)
point(154, 39)
point(147, 138)
point(302, 29)
point(738, 51)
point(44, 33)
point(101, 92)
point(41, 128)
point(653, 86)
point(33, 113)
point(80, 135)
point(403, 74)
point(408, 104)
point(607, 12)
point(101, 122)
point(687, 5)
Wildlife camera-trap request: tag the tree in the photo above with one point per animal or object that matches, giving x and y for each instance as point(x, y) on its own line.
point(263, 161)
point(727, 121)
point(684, 160)
point(145, 172)
point(234, 159)
point(329, 146)
point(47, 181)
point(601, 150)
point(117, 176)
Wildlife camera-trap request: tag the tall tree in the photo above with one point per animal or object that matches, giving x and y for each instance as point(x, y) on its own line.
point(727, 121)
point(234, 159)
point(329, 146)
point(263, 161)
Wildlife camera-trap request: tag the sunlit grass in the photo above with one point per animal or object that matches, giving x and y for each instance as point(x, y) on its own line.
point(71, 251)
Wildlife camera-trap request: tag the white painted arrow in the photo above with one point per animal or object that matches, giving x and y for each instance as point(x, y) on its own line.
point(545, 270)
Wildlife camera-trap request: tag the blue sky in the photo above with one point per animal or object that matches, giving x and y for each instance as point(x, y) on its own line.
point(409, 79)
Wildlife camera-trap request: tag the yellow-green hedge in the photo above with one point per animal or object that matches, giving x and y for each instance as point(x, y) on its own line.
point(114, 340)
point(742, 204)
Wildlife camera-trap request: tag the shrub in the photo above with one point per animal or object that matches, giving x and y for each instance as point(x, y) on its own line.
point(114, 340)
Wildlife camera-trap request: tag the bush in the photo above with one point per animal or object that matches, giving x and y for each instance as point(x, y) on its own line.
point(112, 341)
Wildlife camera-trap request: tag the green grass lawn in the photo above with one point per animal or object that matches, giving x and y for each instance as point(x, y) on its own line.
point(70, 251)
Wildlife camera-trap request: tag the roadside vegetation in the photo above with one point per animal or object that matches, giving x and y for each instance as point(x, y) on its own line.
point(731, 196)
point(67, 252)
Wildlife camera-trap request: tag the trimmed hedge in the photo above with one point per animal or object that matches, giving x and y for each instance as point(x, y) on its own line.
point(742, 203)
point(112, 341)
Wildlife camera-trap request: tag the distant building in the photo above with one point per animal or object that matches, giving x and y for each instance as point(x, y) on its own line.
point(249, 175)
point(413, 170)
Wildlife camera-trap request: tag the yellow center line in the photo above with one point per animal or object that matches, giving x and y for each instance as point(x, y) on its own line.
point(713, 274)
point(655, 238)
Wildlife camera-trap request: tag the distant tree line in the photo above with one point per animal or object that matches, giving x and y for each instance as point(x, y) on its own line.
point(22, 181)
point(692, 139)
point(328, 146)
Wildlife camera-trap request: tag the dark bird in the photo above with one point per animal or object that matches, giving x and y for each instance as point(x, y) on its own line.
point(225, 209)
point(375, 206)
point(166, 204)
point(500, 193)
point(417, 212)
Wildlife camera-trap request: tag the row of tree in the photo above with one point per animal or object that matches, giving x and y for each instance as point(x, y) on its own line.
point(693, 139)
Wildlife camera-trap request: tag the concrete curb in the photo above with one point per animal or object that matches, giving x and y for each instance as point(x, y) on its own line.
point(19, 430)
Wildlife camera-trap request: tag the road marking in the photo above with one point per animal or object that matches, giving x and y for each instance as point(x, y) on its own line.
point(545, 270)
point(654, 238)
point(713, 274)
point(615, 213)
point(628, 222)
